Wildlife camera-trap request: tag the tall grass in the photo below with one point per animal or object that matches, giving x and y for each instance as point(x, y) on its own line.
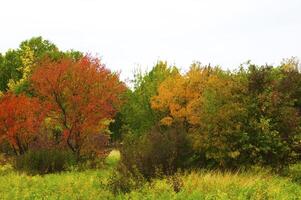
point(260, 184)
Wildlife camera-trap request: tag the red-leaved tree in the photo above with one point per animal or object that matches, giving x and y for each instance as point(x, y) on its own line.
point(83, 94)
point(21, 118)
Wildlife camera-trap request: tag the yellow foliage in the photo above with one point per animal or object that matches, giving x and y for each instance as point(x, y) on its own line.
point(234, 154)
point(180, 95)
point(166, 121)
point(27, 59)
point(104, 125)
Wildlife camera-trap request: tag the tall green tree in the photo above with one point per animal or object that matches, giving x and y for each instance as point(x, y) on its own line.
point(137, 114)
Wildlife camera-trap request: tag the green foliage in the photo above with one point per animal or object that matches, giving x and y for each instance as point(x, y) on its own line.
point(123, 181)
point(137, 114)
point(45, 161)
point(73, 54)
point(39, 46)
point(219, 135)
point(293, 172)
point(273, 125)
point(9, 68)
point(236, 119)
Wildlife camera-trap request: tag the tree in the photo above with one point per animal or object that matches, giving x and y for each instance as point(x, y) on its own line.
point(27, 60)
point(17, 65)
point(31, 52)
point(235, 118)
point(273, 115)
point(179, 95)
point(83, 94)
point(219, 136)
point(202, 102)
point(137, 113)
point(20, 120)
point(9, 68)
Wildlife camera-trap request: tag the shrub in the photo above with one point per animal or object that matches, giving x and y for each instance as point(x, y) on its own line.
point(6, 149)
point(159, 152)
point(293, 172)
point(123, 181)
point(45, 161)
point(95, 146)
point(176, 182)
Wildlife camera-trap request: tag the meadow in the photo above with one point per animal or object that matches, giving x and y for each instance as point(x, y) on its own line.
point(92, 184)
point(206, 133)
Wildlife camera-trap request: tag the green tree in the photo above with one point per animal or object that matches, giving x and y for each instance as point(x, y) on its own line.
point(273, 121)
point(9, 66)
point(137, 114)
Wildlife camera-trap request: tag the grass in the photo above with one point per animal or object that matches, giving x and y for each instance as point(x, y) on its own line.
point(193, 185)
point(113, 158)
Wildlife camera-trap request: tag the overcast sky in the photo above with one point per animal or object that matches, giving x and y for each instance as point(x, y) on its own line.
point(136, 33)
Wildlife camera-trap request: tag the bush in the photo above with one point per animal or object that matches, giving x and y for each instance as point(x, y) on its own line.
point(124, 181)
point(95, 146)
point(45, 161)
point(293, 172)
point(5, 148)
point(159, 152)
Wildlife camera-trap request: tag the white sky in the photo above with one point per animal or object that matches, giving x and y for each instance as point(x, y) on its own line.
point(136, 33)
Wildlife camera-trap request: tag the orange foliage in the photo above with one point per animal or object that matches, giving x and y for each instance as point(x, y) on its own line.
point(20, 120)
point(83, 94)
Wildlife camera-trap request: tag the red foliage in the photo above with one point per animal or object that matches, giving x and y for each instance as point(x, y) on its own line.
point(82, 94)
point(20, 120)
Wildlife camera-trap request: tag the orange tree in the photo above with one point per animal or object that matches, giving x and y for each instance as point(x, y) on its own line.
point(83, 95)
point(20, 121)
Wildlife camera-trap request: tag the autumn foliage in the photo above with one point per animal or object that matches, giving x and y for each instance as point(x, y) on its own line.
point(235, 119)
point(20, 121)
point(83, 95)
point(206, 117)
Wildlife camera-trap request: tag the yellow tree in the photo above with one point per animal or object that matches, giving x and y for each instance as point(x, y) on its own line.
point(27, 60)
point(204, 101)
point(179, 96)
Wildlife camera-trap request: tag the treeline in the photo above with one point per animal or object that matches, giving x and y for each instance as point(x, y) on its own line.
point(211, 118)
point(205, 118)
